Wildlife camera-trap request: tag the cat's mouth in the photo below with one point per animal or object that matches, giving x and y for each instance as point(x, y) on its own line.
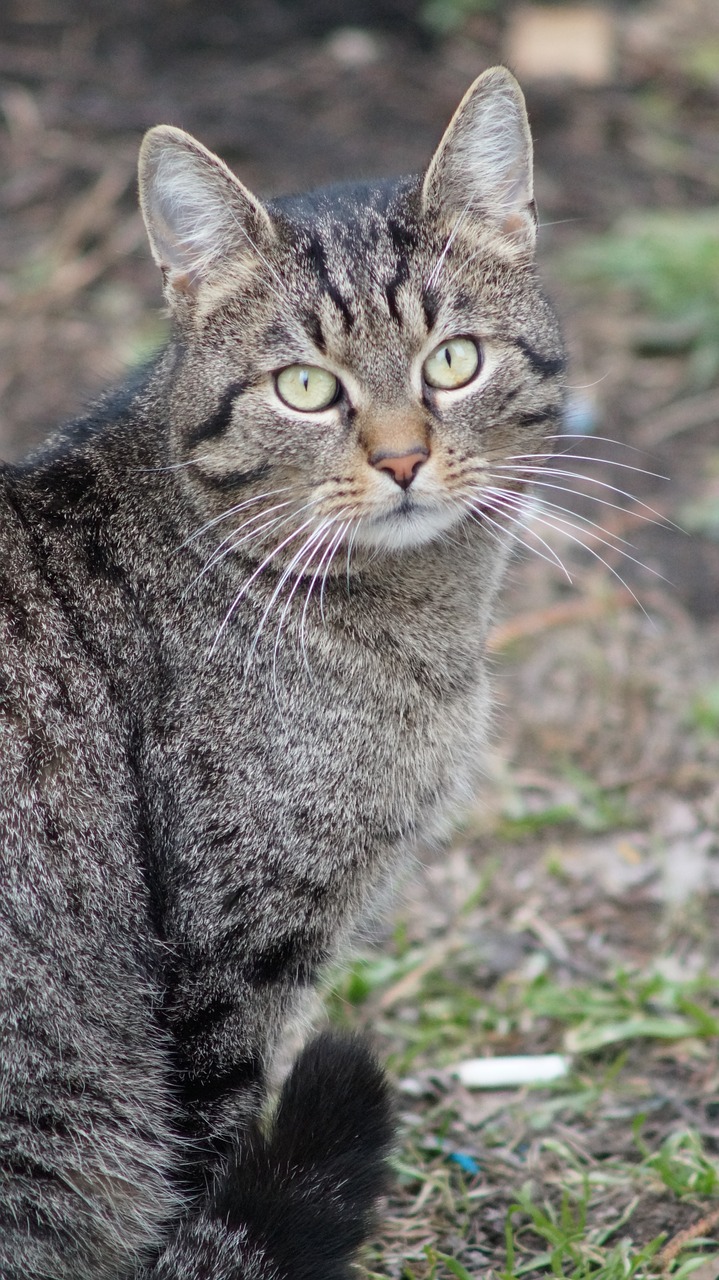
point(409, 522)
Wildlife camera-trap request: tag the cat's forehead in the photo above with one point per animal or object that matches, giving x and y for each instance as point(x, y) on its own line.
point(361, 229)
point(360, 253)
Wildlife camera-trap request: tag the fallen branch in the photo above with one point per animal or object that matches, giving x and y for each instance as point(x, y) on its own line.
point(678, 1242)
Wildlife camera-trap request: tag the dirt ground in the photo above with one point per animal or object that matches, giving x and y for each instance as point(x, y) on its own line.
point(593, 851)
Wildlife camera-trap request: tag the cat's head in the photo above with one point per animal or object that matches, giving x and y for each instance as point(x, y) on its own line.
point(359, 364)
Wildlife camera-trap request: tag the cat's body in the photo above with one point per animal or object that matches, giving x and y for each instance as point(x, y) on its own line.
point(241, 671)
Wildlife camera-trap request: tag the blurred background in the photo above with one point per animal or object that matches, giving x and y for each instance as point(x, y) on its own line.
point(577, 908)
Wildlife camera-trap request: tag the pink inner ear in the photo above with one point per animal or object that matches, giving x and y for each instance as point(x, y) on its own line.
point(515, 224)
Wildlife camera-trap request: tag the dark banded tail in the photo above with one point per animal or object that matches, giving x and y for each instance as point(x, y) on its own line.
point(296, 1202)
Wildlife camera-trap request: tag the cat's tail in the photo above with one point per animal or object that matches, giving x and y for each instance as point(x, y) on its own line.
point(295, 1203)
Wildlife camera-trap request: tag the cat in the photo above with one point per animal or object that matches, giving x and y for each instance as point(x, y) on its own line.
point(245, 603)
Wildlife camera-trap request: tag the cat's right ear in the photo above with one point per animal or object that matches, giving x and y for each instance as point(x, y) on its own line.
point(197, 213)
point(483, 165)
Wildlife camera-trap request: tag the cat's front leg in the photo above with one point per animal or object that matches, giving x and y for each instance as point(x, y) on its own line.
point(226, 1022)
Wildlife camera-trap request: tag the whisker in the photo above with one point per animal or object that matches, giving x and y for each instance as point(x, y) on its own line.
point(303, 619)
point(237, 538)
point(171, 466)
point(317, 535)
point(654, 517)
point(248, 583)
point(311, 545)
point(434, 274)
point(314, 547)
point(282, 291)
point(500, 532)
point(562, 524)
point(582, 435)
point(231, 511)
point(581, 457)
point(641, 509)
point(334, 548)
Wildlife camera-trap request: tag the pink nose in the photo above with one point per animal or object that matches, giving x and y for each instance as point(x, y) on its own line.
point(402, 467)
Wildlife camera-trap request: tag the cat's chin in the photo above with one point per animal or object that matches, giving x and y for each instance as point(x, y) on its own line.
point(406, 527)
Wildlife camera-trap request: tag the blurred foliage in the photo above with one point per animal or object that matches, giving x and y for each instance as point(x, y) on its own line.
point(668, 263)
point(444, 16)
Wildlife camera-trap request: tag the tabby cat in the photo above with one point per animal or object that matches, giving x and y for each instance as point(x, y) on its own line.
point(244, 607)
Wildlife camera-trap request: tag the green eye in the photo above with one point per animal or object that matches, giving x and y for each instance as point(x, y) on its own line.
point(452, 364)
point(306, 387)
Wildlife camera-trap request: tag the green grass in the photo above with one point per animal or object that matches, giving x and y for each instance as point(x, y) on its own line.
point(579, 1218)
point(588, 807)
point(559, 1238)
point(451, 1016)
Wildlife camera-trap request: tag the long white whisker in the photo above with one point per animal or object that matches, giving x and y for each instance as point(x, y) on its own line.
point(275, 523)
point(562, 524)
point(580, 435)
point(523, 472)
point(248, 583)
point(432, 278)
point(594, 498)
point(553, 510)
point(548, 508)
point(334, 548)
point(350, 547)
point(231, 511)
point(171, 466)
point(310, 588)
point(282, 291)
point(531, 458)
point(480, 516)
point(311, 545)
point(237, 538)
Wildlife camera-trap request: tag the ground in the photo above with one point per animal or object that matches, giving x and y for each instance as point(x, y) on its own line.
point(575, 911)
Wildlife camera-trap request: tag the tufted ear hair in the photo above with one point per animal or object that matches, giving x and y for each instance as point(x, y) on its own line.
point(196, 211)
point(483, 164)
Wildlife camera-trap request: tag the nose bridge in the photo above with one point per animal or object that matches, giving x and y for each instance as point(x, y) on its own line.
point(397, 442)
point(395, 432)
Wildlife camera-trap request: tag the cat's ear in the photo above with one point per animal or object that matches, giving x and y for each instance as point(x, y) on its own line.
point(484, 162)
point(197, 213)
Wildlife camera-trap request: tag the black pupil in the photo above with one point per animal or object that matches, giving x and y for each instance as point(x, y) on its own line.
point(448, 356)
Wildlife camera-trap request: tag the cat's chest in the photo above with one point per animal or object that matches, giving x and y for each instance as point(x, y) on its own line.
point(327, 727)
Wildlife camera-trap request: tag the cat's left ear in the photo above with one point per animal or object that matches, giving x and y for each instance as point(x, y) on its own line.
point(484, 162)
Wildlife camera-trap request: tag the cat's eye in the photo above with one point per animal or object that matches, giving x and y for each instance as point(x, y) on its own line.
point(307, 387)
point(452, 364)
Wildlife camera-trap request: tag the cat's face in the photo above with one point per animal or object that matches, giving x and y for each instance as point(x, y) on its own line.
point(369, 364)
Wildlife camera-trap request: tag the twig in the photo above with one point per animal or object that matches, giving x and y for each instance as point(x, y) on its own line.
point(687, 415)
point(678, 1242)
point(555, 615)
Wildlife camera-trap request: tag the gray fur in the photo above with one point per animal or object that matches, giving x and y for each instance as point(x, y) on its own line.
point(209, 778)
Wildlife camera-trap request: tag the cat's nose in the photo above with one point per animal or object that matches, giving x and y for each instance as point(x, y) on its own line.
point(402, 467)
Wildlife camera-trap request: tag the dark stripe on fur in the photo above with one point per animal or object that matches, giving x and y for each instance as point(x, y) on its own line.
point(218, 422)
point(314, 328)
point(234, 479)
point(545, 366)
point(430, 306)
point(404, 242)
point(293, 956)
point(203, 1090)
point(203, 1020)
point(318, 260)
point(550, 415)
